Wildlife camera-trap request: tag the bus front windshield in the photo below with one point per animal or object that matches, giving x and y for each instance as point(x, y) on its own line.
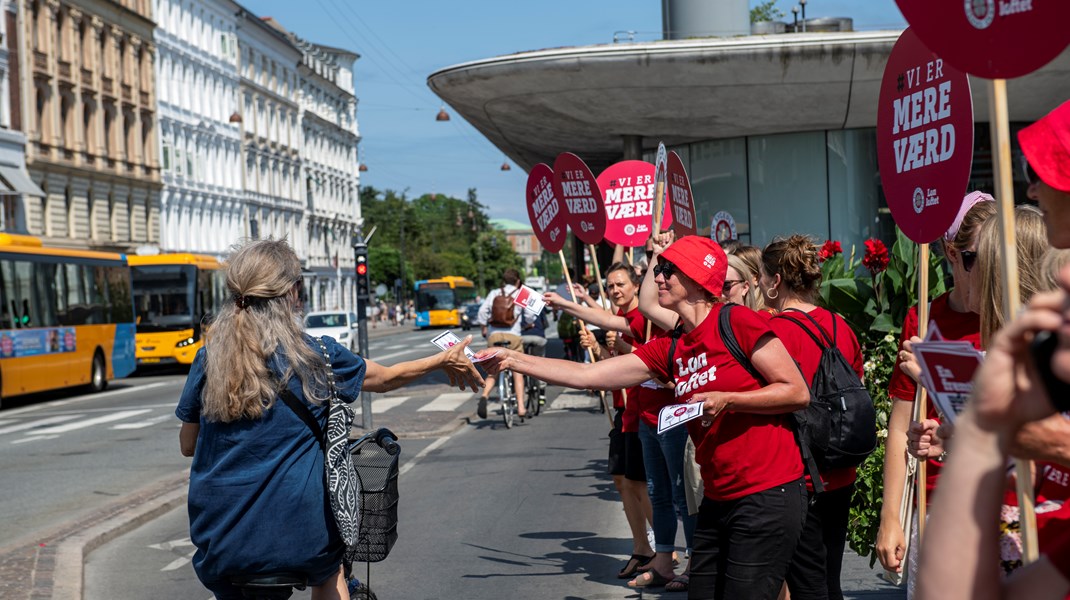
point(437, 298)
point(163, 297)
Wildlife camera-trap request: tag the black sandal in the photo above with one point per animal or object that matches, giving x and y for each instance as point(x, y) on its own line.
point(631, 568)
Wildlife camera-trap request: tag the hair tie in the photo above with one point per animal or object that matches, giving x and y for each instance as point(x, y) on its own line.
point(242, 302)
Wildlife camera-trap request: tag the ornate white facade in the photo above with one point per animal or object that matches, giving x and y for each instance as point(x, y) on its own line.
point(16, 187)
point(329, 156)
point(201, 205)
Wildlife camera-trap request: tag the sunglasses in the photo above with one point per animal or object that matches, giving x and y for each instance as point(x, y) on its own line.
point(728, 284)
point(1028, 172)
point(665, 269)
point(969, 258)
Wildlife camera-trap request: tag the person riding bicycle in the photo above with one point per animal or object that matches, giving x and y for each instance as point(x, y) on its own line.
point(501, 323)
point(258, 487)
point(534, 341)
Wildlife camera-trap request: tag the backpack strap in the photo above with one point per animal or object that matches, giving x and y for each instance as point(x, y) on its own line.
point(305, 414)
point(728, 337)
point(673, 336)
point(829, 342)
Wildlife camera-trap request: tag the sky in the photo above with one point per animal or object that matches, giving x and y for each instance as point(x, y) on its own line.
point(401, 42)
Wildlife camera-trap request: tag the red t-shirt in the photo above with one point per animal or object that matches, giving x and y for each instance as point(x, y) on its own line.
point(801, 347)
point(739, 453)
point(953, 326)
point(649, 400)
point(1053, 536)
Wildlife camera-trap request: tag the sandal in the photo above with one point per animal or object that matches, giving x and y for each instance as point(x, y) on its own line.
point(680, 583)
point(631, 568)
point(643, 568)
point(653, 580)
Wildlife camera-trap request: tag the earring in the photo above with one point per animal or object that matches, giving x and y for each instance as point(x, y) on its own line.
point(771, 296)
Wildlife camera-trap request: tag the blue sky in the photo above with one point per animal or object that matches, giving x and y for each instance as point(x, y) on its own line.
point(403, 41)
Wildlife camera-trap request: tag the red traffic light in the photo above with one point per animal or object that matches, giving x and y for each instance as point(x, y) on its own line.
point(362, 269)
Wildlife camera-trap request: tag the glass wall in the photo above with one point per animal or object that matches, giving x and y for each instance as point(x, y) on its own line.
point(788, 180)
point(853, 187)
point(718, 174)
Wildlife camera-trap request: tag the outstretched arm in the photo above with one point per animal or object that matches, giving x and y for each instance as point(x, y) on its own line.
point(785, 391)
point(595, 316)
point(461, 372)
point(613, 374)
point(648, 292)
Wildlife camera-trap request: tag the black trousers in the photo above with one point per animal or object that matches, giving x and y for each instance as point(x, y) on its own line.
point(815, 569)
point(742, 547)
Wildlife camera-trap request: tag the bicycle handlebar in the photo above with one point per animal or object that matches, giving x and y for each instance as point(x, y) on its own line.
point(387, 441)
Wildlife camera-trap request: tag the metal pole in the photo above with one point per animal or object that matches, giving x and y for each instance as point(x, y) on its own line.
point(360, 248)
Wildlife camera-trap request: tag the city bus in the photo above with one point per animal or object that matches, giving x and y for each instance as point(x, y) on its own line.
point(174, 296)
point(439, 302)
point(66, 319)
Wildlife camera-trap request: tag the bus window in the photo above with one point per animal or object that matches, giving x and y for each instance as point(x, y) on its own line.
point(20, 296)
point(7, 320)
point(45, 294)
point(118, 284)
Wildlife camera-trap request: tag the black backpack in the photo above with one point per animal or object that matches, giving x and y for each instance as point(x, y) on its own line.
point(848, 433)
point(810, 424)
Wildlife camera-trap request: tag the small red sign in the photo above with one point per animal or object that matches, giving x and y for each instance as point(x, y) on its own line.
point(681, 201)
point(924, 139)
point(679, 411)
point(994, 39)
point(545, 210)
point(628, 190)
point(576, 186)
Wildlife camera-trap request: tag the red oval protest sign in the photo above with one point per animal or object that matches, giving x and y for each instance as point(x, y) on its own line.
point(576, 186)
point(994, 39)
point(544, 209)
point(924, 139)
point(628, 190)
point(681, 201)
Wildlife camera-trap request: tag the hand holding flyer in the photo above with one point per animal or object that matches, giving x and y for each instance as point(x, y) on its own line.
point(947, 370)
point(530, 300)
point(678, 414)
point(447, 340)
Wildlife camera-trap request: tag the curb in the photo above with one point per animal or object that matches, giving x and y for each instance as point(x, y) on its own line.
point(72, 551)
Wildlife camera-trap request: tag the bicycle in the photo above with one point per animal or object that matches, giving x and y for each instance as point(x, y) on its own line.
point(534, 390)
point(507, 393)
point(375, 459)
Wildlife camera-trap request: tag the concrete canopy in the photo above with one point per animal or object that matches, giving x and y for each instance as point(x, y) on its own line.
point(534, 105)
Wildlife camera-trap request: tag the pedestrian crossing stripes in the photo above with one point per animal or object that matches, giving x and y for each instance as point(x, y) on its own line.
point(381, 405)
point(446, 402)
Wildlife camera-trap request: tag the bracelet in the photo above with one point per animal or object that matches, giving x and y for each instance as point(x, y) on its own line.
point(940, 459)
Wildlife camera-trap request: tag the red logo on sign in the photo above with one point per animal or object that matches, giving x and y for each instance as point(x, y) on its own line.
point(924, 139)
point(994, 39)
point(680, 411)
point(544, 209)
point(628, 190)
point(681, 201)
point(576, 186)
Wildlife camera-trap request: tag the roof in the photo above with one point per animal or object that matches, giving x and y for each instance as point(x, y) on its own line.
point(534, 105)
point(511, 225)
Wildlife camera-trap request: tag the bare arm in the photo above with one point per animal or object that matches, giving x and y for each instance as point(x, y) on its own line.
point(613, 374)
point(648, 291)
point(891, 540)
point(461, 372)
point(595, 316)
point(187, 438)
point(785, 390)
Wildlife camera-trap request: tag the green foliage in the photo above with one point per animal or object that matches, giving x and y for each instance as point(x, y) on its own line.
point(431, 236)
point(765, 11)
point(875, 305)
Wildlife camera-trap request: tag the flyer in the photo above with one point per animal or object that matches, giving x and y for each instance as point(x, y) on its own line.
point(447, 340)
point(530, 300)
point(678, 414)
point(947, 370)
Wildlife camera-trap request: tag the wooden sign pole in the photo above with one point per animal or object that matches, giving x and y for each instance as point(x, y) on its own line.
point(921, 404)
point(590, 351)
point(1001, 165)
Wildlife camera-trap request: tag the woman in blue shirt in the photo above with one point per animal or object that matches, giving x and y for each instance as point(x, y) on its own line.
point(258, 499)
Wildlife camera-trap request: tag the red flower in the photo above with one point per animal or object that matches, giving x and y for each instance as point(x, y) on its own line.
point(830, 249)
point(876, 259)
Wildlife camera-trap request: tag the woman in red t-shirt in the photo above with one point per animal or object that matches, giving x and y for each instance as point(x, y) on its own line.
point(956, 313)
point(755, 497)
point(790, 274)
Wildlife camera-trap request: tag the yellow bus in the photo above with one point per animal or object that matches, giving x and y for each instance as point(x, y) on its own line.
point(66, 319)
point(439, 302)
point(174, 295)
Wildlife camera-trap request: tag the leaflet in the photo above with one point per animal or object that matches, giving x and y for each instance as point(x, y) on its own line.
point(530, 300)
point(678, 414)
point(947, 370)
point(447, 340)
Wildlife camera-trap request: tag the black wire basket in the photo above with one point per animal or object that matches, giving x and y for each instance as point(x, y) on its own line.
point(377, 472)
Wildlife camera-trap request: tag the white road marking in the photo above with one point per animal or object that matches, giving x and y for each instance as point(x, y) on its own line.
point(448, 402)
point(431, 448)
point(381, 405)
point(145, 423)
point(179, 543)
point(5, 422)
point(108, 394)
point(35, 438)
point(565, 401)
point(178, 563)
point(38, 423)
point(123, 414)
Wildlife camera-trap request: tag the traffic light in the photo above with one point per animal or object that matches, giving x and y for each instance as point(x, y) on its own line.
point(363, 278)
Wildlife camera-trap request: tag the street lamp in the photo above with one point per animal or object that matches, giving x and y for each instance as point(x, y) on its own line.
point(802, 5)
point(442, 115)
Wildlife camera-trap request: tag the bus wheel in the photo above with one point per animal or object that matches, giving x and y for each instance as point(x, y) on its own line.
point(98, 378)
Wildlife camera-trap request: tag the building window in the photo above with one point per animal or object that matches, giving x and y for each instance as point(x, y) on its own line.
point(166, 165)
point(68, 203)
point(719, 181)
point(787, 175)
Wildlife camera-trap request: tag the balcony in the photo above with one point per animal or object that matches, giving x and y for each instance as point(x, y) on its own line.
point(143, 98)
point(65, 70)
point(128, 95)
point(40, 61)
point(107, 85)
point(87, 77)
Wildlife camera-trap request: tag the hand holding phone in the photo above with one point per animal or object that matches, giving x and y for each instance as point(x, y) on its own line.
point(1042, 348)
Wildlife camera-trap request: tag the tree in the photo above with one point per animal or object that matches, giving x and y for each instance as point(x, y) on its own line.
point(765, 11)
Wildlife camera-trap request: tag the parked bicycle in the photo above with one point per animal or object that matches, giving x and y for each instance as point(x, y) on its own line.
point(375, 459)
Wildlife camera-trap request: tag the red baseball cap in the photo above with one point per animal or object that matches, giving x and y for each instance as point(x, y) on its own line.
point(701, 259)
point(1046, 145)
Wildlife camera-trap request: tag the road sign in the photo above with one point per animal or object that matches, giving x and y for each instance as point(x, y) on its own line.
point(628, 190)
point(577, 187)
point(924, 139)
point(545, 210)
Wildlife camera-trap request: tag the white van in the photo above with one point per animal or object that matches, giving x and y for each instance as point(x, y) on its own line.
point(342, 326)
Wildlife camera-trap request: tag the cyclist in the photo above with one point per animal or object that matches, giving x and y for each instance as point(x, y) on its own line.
point(534, 341)
point(501, 323)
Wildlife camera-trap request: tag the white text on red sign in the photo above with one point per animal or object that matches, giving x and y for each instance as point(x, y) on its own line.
point(921, 108)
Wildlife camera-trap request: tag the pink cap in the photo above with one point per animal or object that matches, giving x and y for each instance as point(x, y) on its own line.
point(967, 203)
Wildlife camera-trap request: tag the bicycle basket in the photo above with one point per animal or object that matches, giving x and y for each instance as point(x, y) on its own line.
point(377, 472)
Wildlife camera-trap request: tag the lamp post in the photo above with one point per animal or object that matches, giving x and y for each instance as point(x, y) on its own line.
point(361, 281)
point(802, 5)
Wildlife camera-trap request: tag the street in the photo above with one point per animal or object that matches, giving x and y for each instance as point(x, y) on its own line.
point(481, 506)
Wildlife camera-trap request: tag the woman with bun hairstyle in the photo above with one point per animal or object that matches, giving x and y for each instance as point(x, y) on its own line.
point(957, 314)
point(755, 497)
point(790, 275)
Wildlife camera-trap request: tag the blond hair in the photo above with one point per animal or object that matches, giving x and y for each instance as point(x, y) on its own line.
point(1032, 244)
point(753, 299)
point(1054, 260)
point(260, 320)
